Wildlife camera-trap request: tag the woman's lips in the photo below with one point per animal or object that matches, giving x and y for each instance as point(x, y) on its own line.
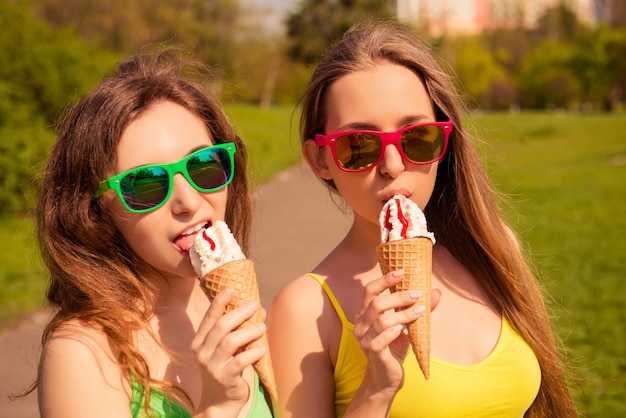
point(185, 240)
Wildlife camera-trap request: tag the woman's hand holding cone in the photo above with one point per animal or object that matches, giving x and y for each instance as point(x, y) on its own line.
point(378, 324)
point(224, 390)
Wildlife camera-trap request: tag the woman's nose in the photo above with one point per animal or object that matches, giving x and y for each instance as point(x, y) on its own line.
point(391, 164)
point(185, 198)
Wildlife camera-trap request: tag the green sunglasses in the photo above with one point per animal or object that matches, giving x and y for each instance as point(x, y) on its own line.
point(147, 188)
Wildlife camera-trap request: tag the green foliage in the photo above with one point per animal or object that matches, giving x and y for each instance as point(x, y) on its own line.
point(479, 74)
point(128, 26)
point(315, 25)
point(210, 29)
point(545, 78)
point(559, 23)
point(559, 63)
point(508, 47)
point(249, 58)
point(41, 71)
point(24, 146)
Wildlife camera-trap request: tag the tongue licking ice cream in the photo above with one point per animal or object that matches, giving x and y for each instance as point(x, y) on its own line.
point(220, 263)
point(407, 244)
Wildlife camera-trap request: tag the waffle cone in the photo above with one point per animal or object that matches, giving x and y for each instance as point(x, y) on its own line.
point(241, 277)
point(414, 255)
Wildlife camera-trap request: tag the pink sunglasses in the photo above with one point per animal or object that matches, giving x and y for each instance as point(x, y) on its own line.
point(360, 150)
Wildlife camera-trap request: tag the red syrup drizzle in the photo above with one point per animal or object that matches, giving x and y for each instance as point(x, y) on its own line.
point(404, 221)
point(211, 242)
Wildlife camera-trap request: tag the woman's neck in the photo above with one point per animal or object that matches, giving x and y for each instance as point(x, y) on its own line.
point(363, 236)
point(183, 295)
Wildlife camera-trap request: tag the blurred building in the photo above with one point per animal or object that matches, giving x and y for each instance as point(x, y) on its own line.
point(611, 12)
point(464, 17)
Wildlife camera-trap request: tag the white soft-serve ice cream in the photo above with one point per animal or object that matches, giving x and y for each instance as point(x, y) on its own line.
point(407, 244)
point(401, 218)
point(213, 247)
point(219, 262)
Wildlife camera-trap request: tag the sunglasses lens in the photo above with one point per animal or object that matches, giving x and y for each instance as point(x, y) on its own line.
point(357, 151)
point(145, 187)
point(210, 169)
point(423, 143)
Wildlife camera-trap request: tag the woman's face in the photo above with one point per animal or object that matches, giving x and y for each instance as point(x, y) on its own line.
point(385, 98)
point(165, 133)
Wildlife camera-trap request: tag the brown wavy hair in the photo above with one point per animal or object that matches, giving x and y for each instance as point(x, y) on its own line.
point(463, 211)
point(95, 277)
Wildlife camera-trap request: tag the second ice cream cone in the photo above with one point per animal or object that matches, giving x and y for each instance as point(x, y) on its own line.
point(241, 277)
point(414, 255)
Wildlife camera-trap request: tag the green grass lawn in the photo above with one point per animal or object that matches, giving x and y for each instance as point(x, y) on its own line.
point(563, 176)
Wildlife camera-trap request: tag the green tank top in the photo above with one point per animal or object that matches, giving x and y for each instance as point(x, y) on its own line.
point(162, 406)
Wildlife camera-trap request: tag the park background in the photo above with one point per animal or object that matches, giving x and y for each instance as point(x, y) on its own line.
point(546, 100)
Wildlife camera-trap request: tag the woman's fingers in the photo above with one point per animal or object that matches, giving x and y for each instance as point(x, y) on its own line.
point(377, 302)
point(376, 287)
point(219, 349)
point(215, 312)
point(219, 330)
point(383, 325)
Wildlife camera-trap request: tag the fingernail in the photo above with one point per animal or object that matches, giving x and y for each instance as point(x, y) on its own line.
point(398, 273)
point(251, 306)
point(419, 309)
point(415, 294)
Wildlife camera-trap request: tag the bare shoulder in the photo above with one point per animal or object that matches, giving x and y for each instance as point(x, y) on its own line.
point(297, 331)
point(77, 335)
point(80, 375)
point(303, 291)
point(301, 299)
point(76, 343)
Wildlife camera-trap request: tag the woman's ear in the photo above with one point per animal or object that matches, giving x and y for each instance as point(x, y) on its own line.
point(316, 157)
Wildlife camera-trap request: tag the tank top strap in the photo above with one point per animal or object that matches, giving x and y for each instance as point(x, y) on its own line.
point(331, 296)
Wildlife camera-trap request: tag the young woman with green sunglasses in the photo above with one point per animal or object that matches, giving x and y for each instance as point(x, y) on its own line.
point(141, 164)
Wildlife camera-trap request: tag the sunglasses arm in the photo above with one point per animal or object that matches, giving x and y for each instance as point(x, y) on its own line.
point(103, 187)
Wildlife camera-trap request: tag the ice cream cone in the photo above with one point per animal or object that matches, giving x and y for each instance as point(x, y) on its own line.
point(414, 255)
point(241, 277)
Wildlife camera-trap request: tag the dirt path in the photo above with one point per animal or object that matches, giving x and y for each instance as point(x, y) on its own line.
point(296, 223)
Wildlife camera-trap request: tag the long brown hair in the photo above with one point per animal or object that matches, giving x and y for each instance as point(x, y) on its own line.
point(94, 276)
point(463, 211)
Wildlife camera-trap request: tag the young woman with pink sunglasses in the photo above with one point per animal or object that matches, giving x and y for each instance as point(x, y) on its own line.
point(380, 117)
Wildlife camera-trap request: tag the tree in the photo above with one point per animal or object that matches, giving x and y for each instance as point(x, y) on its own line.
point(546, 79)
point(207, 27)
point(247, 57)
point(616, 67)
point(317, 24)
point(508, 47)
point(41, 72)
point(558, 23)
point(479, 75)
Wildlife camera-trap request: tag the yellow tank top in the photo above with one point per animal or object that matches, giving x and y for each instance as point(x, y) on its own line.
point(504, 384)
